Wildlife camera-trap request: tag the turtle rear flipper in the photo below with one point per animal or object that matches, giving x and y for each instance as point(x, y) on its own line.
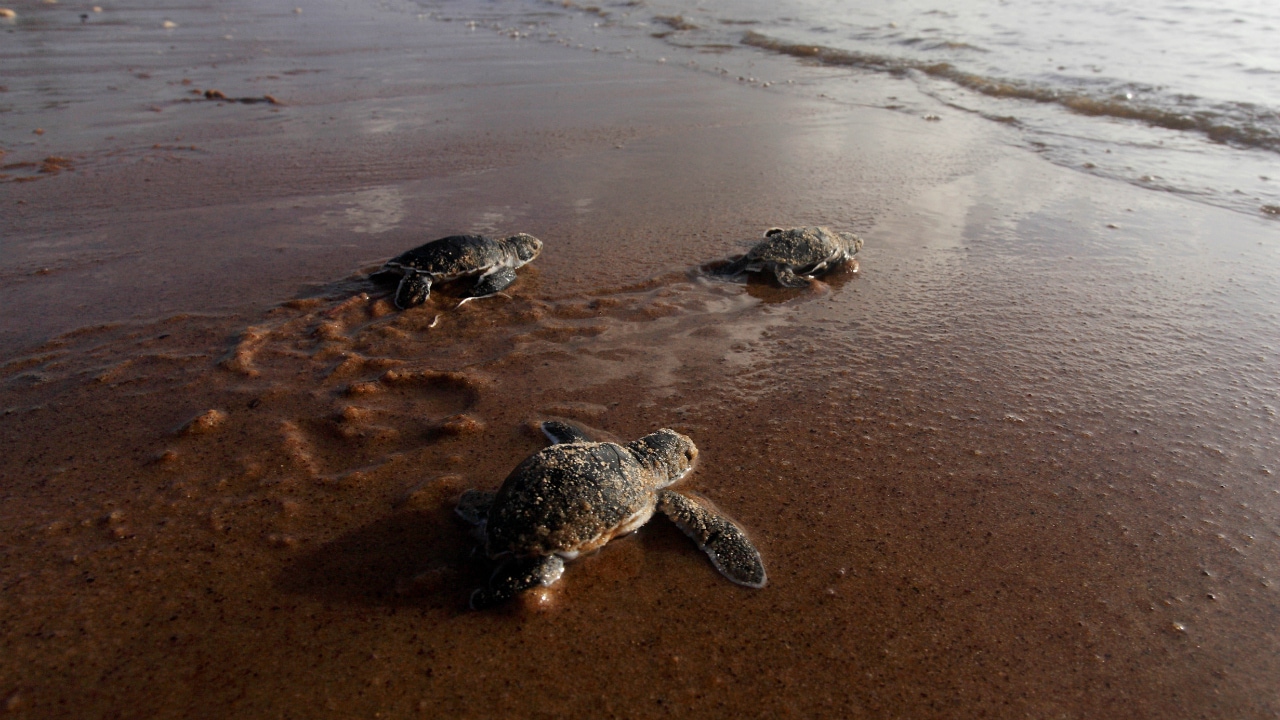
point(514, 577)
point(719, 537)
point(733, 268)
point(414, 289)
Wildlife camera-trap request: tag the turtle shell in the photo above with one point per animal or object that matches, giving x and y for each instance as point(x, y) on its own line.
point(800, 247)
point(453, 256)
point(569, 499)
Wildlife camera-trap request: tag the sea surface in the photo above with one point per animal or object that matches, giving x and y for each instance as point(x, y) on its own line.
point(1179, 96)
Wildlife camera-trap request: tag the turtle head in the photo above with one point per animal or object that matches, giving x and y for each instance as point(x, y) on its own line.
point(525, 247)
point(852, 242)
point(666, 454)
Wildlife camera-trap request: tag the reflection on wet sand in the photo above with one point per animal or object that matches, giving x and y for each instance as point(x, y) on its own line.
point(911, 472)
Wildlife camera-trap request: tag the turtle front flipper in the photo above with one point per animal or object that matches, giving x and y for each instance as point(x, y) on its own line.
point(414, 289)
point(562, 432)
point(387, 276)
point(719, 537)
point(787, 276)
point(493, 283)
point(514, 577)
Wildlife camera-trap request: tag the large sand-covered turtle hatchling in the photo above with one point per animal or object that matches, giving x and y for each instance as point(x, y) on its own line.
point(576, 495)
point(491, 261)
point(796, 255)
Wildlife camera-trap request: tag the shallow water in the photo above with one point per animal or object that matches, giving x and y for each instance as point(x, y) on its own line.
point(1173, 97)
point(1020, 463)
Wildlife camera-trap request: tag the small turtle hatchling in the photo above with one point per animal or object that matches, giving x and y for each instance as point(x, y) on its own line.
point(576, 495)
point(796, 255)
point(491, 261)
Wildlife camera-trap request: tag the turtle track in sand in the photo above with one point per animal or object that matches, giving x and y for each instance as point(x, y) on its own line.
point(334, 416)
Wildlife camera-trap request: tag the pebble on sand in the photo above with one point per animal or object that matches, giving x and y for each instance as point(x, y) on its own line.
point(462, 424)
point(205, 422)
point(429, 493)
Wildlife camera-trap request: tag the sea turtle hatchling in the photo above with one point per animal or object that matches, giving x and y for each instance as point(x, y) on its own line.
point(576, 495)
point(796, 255)
point(491, 261)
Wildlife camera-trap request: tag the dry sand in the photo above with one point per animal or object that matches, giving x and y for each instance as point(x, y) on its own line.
point(1022, 464)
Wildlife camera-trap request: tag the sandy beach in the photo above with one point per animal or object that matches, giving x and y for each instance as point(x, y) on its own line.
point(1021, 463)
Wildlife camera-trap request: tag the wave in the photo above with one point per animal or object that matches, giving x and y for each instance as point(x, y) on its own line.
point(1239, 124)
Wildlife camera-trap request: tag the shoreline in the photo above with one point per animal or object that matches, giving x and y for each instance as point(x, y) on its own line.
point(1020, 463)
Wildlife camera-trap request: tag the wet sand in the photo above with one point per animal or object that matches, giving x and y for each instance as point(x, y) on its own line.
point(1021, 464)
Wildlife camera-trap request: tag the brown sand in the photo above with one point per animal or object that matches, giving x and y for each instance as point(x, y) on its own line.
point(1022, 464)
